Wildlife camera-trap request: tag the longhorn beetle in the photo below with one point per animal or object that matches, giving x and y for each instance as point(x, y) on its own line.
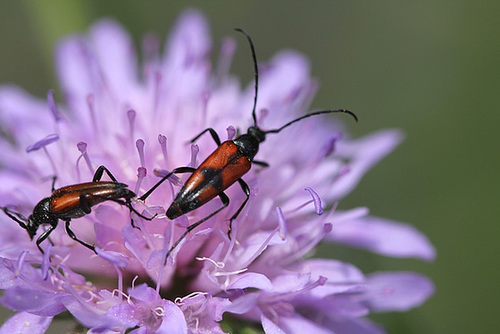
point(226, 165)
point(74, 201)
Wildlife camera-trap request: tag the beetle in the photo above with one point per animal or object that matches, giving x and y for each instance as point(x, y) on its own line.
point(225, 166)
point(74, 201)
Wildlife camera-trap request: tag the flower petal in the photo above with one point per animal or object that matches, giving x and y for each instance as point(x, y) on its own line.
point(34, 301)
point(189, 40)
point(26, 323)
point(364, 153)
point(357, 326)
point(269, 326)
point(384, 237)
point(47, 140)
point(185, 59)
point(341, 277)
point(251, 280)
point(398, 291)
point(77, 75)
point(173, 320)
point(116, 57)
point(300, 325)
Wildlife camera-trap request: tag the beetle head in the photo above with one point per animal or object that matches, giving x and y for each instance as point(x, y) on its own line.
point(32, 226)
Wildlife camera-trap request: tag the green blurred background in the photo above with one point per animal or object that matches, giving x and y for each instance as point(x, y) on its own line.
point(430, 68)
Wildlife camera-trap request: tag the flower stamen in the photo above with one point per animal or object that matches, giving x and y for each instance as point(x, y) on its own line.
point(156, 90)
point(131, 115)
point(230, 273)
point(281, 223)
point(82, 147)
point(224, 61)
point(163, 143)
point(122, 294)
point(20, 262)
point(180, 300)
point(260, 249)
point(53, 106)
point(46, 262)
point(231, 132)
point(318, 205)
point(194, 153)
point(205, 97)
point(91, 109)
point(139, 144)
point(141, 174)
point(220, 265)
point(330, 146)
point(159, 311)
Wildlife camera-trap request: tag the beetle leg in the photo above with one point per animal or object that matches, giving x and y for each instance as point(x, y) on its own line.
point(177, 170)
point(54, 178)
point(84, 203)
point(17, 217)
point(260, 163)
point(44, 236)
point(98, 174)
point(132, 209)
point(225, 202)
point(73, 236)
point(246, 189)
point(214, 135)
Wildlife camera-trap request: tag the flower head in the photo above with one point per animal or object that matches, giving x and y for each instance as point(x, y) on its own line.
point(135, 120)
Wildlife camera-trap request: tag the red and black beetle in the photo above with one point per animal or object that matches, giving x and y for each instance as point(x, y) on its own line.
point(226, 165)
point(74, 201)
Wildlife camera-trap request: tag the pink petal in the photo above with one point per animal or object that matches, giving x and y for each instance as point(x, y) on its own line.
point(281, 83)
point(251, 280)
point(116, 56)
point(173, 320)
point(189, 40)
point(77, 74)
point(243, 304)
point(34, 301)
point(26, 323)
point(269, 326)
point(398, 291)
point(364, 154)
point(300, 325)
point(384, 237)
point(341, 277)
point(356, 326)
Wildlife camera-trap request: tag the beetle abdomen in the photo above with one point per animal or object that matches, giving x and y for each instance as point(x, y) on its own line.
point(76, 200)
point(219, 171)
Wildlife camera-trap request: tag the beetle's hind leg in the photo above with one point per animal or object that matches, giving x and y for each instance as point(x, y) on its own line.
point(246, 189)
point(214, 135)
point(177, 170)
point(100, 171)
point(72, 236)
point(128, 204)
point(225, 202)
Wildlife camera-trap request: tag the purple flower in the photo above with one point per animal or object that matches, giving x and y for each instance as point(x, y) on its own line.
point(136, 120)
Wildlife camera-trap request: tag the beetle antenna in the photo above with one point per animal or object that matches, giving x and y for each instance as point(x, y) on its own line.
point(256, 73)
point(312, 114)
point(17, 217)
